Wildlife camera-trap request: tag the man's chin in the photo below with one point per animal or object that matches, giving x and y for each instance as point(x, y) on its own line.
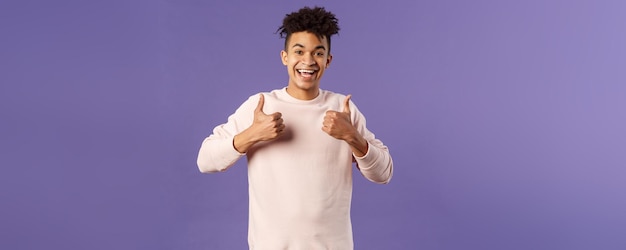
point(307, 86)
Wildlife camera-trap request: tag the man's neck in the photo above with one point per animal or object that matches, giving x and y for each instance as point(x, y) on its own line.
point(303, 94)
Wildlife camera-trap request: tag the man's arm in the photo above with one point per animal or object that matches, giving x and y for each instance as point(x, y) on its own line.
point(372, 156)
point(228, 142)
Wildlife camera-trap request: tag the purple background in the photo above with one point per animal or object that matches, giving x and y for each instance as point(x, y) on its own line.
point(506, 120)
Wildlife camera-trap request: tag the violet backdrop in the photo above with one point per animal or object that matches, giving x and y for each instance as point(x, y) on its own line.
point(506, 120)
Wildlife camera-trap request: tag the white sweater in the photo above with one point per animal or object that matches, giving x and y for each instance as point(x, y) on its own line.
point(300, 185)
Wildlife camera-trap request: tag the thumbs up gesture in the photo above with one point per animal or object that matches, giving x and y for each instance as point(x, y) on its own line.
point(266, 127)
point(338, 124)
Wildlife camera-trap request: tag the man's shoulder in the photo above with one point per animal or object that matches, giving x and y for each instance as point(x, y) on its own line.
point(328, 94)
point(271, 93)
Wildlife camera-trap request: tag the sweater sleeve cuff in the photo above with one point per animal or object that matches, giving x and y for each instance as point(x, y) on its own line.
point(233, 151)
point(368, 157)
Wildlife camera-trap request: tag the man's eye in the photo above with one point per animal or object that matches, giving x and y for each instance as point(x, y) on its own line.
point(299, 52)
point(319, 54)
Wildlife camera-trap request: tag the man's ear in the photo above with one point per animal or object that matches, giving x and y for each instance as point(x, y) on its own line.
point(329, 59)
point(283, 57)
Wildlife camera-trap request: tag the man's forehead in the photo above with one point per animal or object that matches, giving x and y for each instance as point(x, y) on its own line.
point(303, 39)
point(298, 45)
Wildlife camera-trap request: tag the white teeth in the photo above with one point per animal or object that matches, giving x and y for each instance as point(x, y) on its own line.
point(306, 71)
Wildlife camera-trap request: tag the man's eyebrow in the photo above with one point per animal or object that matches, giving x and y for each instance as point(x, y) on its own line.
point(302, 46)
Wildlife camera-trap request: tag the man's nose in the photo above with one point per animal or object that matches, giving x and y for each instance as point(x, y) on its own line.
point(308, 60)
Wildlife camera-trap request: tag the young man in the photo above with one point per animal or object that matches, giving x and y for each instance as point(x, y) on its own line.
point(300, 142)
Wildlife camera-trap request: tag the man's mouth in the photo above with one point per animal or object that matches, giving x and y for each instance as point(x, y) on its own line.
point(306, 72)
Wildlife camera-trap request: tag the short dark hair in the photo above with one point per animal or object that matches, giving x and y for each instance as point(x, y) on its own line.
point(315, 20)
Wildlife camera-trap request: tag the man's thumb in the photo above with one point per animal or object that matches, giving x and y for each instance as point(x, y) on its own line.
point(259, 107)
point(346, 104)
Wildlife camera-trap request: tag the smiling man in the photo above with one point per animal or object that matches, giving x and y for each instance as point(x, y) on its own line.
point(300, 142)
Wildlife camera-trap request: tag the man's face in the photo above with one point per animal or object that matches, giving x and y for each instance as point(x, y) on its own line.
point(306, 58)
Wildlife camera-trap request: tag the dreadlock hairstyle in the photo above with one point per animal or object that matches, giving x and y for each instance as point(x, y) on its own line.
point(315, 20)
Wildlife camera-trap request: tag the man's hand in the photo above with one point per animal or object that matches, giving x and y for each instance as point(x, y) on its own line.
point(267, 127)
point(338, 124)
point(264, 128)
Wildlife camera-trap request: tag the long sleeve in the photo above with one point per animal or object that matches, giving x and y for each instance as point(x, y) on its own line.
point(217, 152)
point(376, 165)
